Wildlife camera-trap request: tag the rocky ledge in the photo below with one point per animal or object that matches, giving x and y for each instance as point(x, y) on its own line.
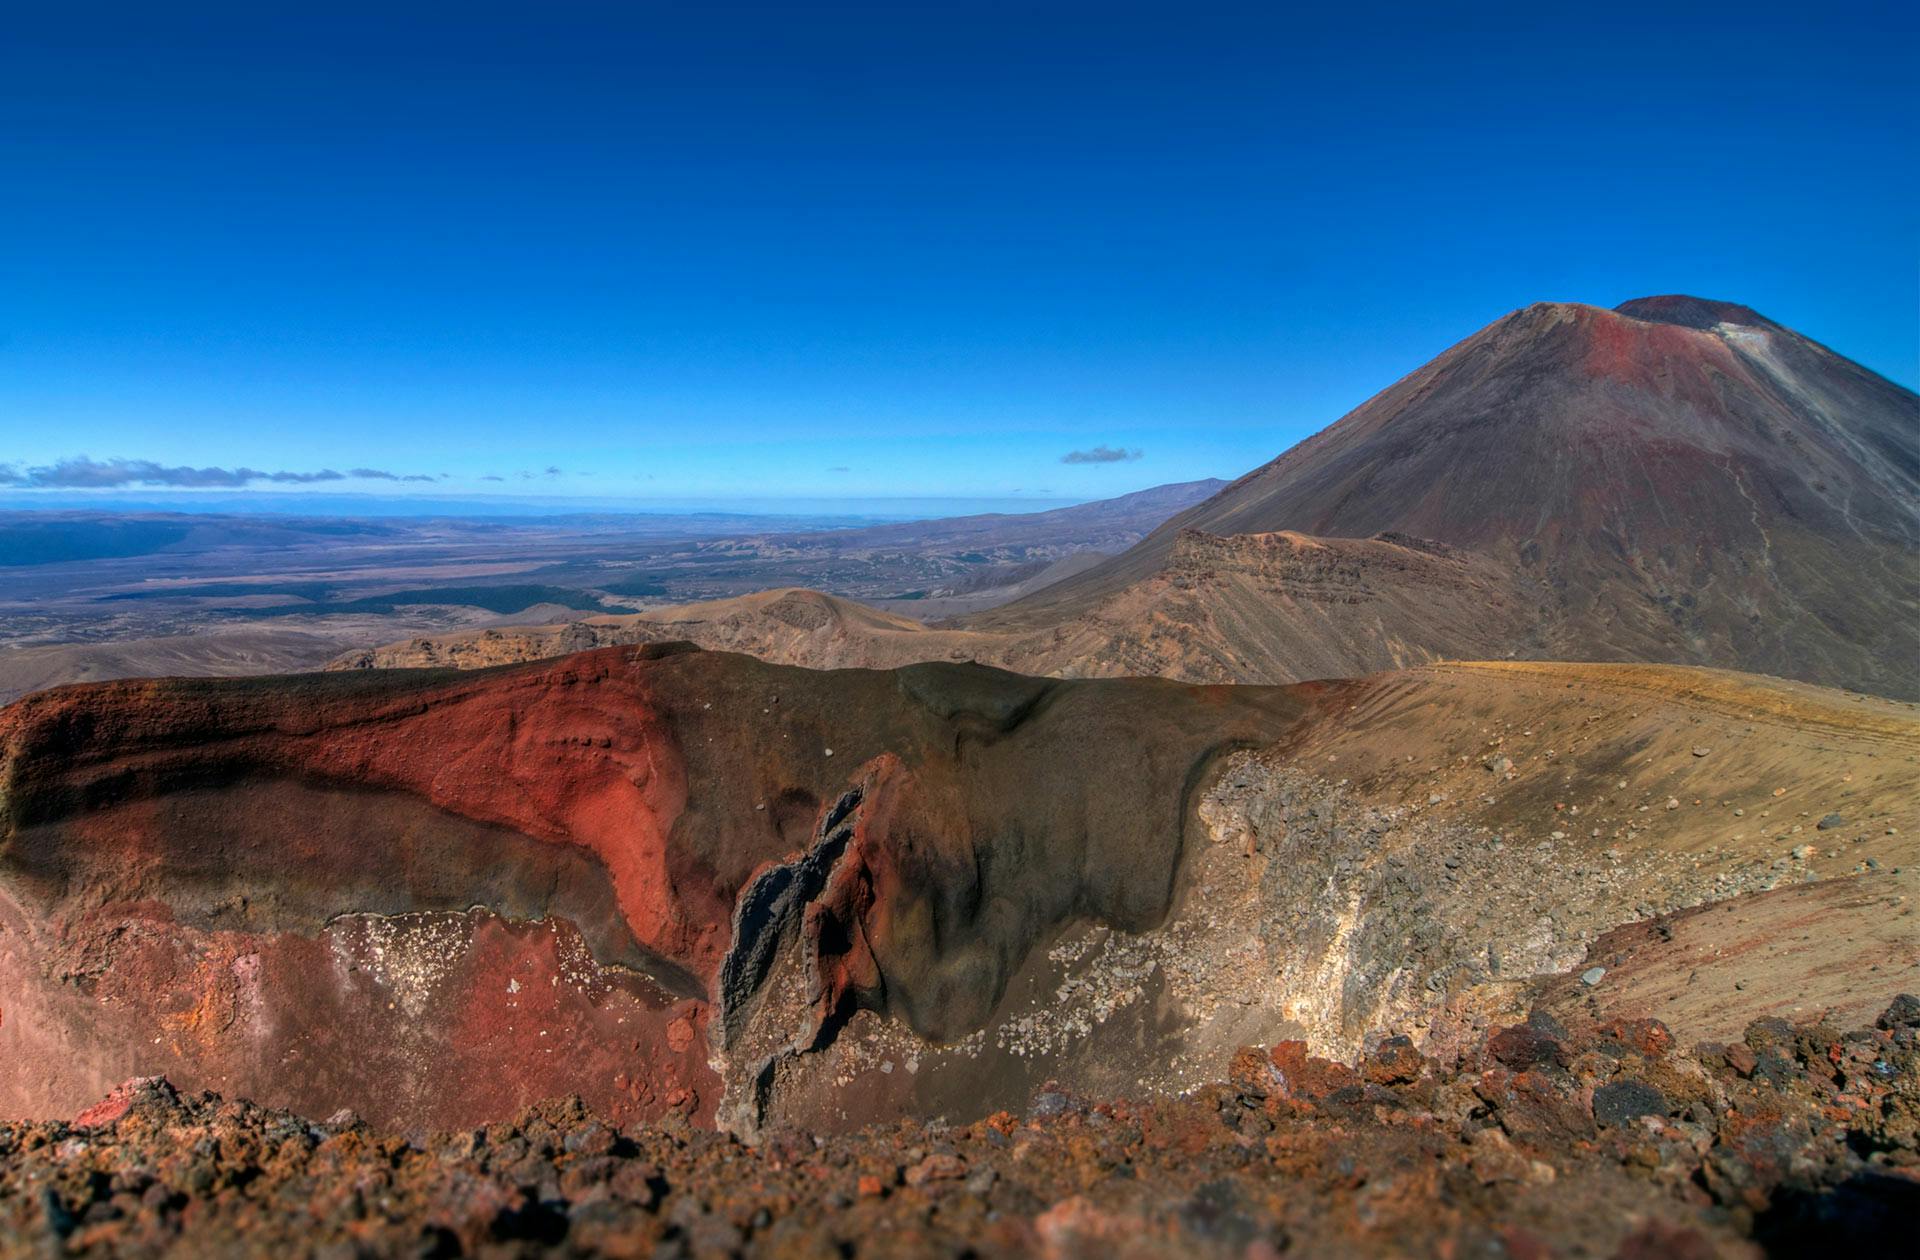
point(1556, 1136)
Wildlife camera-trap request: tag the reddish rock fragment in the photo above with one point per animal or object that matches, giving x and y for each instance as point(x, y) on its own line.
point(1647, 1037)
point(1253, 1072)
point(1396, 1062)
point(1522, 1046)
point(123, 1098)
point(1301, 1075)
point(1530, 1109)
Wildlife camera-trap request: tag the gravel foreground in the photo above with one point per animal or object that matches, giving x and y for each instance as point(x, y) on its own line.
point(1537, 1141)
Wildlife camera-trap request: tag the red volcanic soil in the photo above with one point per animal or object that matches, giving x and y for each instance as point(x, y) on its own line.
point(432, 894)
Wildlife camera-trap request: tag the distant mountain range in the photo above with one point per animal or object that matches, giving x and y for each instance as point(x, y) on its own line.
point(1674, 480)
point(112, 594)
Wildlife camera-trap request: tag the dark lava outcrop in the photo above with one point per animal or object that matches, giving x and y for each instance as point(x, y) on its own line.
point(434, 896)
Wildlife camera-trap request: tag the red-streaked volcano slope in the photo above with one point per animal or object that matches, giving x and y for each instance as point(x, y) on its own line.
point(435, 896)
point(1676, 480)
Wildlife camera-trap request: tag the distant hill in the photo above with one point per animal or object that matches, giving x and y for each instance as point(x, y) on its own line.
point(1097, 525)
point(104, 595)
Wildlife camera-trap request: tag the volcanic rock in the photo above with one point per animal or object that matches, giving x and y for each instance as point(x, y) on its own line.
point(1618, 1102)
point(1780, 1166)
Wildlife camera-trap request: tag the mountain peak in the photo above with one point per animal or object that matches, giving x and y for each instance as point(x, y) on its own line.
point(1675, 480)
point(1691, 312)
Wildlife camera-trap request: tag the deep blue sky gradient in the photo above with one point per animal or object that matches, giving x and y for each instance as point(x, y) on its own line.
point(708, 251)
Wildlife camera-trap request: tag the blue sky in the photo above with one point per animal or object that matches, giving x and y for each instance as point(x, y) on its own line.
point(711, 252)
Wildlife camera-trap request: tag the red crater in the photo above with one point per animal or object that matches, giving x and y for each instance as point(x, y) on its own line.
point(1668, 359)
point(1693, 312)
point(433, 897)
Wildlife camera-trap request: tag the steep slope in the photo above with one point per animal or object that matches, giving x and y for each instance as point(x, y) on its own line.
point(1690, 481)
point(1283, 607)
point(692, 882)
point(428, 894)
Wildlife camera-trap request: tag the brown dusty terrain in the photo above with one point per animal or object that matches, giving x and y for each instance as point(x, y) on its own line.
point(225, 648)
point(1282, 607)
point(787, 627)
point(224, 653)
point(1794, 952)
